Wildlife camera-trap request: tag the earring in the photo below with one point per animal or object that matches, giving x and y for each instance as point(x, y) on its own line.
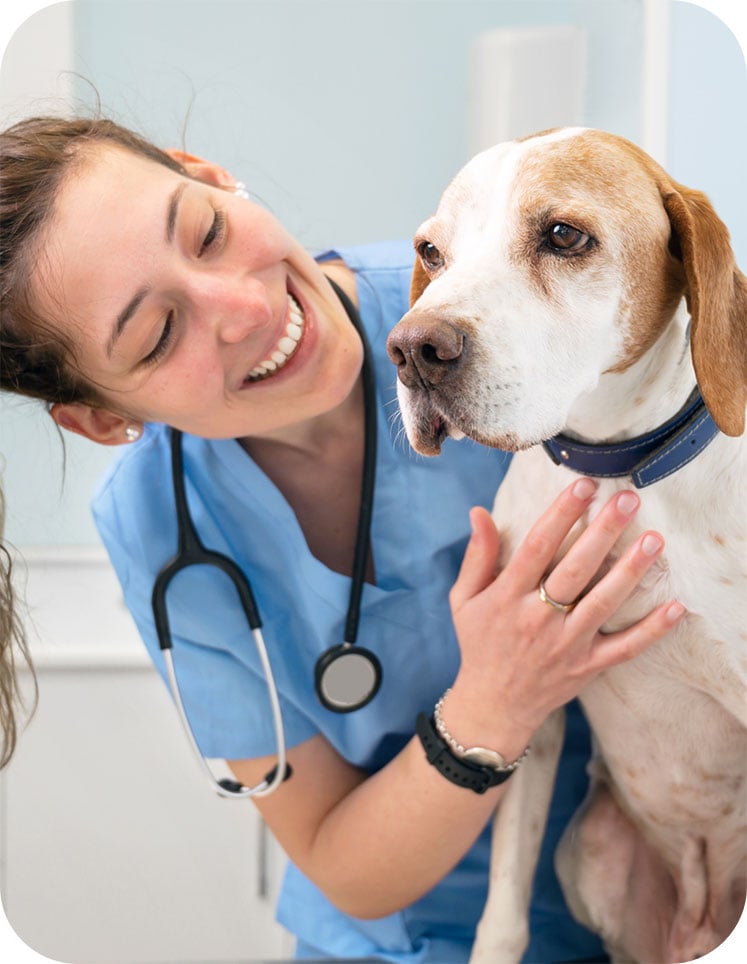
point(132, 433)
point(239, 189)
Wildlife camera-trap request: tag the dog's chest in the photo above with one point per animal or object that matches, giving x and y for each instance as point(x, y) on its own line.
point(704, 565)
point(669, 724)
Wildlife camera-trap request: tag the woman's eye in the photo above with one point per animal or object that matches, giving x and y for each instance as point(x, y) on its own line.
point(564, 237)
point(214, 234)
point(430, 255)
point(163, 341)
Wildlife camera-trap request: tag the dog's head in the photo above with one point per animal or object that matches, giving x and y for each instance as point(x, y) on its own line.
point(550, 261)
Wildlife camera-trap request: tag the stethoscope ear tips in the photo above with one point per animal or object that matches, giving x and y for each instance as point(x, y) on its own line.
point(234, 788)
point(231, 786)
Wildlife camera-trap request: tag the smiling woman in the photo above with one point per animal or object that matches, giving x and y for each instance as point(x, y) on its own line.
point(218, 299)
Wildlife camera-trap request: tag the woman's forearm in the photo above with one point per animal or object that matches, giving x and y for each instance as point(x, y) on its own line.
point(394, 836)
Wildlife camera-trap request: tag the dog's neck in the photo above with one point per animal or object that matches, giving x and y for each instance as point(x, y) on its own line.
point(629, 403)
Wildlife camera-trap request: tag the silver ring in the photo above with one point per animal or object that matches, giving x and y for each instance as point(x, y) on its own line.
point(553, 603)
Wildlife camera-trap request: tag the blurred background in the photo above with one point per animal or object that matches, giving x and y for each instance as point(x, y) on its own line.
point(347, 118)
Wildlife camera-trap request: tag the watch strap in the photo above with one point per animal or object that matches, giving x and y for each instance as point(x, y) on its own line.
point(462, 773)
point(478, 755)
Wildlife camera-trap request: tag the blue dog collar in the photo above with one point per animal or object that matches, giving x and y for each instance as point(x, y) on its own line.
point(647, 458)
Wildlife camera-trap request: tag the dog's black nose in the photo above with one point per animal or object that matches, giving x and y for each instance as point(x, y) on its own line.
point(425, 352)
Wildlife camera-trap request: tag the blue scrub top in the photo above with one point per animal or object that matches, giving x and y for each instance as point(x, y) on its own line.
point(419, 531)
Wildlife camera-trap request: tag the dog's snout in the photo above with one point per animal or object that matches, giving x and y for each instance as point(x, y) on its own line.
point(425, 352)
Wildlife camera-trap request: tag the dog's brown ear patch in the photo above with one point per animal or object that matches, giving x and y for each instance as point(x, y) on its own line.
point(717, 293)
point(419, 282)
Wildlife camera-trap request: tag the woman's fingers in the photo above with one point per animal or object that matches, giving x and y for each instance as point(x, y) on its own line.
point(606, 597)
point(625, 645)
point(575, 571)
point(478, 567)
point(539, 547)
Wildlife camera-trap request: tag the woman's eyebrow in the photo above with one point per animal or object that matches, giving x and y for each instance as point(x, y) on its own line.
point(123, 317)
point(132, 306)
point(172, 211)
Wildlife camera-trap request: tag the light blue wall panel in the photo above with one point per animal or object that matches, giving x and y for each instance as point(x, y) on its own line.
point(708, 115)
point(347, 118)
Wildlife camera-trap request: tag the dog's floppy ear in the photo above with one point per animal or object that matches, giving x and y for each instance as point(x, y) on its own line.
point(717, 297)
point(419, 282)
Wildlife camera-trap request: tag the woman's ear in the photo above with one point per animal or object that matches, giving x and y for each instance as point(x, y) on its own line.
point(96, 424)
point(201, 169)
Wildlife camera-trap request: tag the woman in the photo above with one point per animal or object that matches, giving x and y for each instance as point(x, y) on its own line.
point(141, 291)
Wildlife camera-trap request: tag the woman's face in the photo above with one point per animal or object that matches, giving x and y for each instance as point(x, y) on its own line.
point(175, 293)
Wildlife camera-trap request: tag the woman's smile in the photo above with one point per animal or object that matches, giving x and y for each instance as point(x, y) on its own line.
point(286, 346)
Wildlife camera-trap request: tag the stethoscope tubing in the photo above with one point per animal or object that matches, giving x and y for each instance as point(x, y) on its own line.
point(191, 551)
point(363, 531)
point(345, 654)
point(229, 789)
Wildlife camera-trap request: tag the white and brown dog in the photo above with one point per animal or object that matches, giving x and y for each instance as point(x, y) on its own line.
point(568, 285)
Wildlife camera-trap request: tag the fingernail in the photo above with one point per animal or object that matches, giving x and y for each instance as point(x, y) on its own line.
point(651, 544)
point(627, 502)
point(584, 489)
point(472, 521)
point(674, 612)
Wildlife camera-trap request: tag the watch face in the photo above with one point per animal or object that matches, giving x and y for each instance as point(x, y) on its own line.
point(483, 757)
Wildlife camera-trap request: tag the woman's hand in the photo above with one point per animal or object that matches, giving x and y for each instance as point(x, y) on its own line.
point(521, 656)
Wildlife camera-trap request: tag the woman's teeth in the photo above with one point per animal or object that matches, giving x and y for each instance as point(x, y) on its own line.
point(285, 347)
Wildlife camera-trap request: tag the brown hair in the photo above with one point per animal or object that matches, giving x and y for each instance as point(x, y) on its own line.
point(12, 642)
point(36, 155)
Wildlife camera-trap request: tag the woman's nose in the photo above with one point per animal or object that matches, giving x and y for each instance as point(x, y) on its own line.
point(239, 307)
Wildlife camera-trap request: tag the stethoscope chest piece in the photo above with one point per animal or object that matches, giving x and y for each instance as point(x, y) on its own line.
point(347, 677)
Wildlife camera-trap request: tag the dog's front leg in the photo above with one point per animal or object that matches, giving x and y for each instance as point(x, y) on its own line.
point(518, 829)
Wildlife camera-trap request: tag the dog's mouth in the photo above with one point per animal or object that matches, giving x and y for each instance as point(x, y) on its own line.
point(428, 425)
point(429, 432)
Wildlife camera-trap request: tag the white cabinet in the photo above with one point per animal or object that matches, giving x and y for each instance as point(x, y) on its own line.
point(112, 846)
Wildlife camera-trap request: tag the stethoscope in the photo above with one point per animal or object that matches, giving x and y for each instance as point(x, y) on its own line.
point(346, 676)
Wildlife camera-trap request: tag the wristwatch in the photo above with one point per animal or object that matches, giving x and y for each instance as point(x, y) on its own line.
point(463, 772)
point(477, 767)
point(480, 755)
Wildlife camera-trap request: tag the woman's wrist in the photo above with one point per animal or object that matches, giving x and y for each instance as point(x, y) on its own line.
point(473, 721)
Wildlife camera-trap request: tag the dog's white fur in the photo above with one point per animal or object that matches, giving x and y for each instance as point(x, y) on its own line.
point(596, 346)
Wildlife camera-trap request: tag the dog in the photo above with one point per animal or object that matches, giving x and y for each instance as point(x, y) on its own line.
point(567, 299)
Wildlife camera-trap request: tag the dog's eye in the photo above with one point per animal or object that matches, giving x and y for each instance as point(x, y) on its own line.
point(563, 237)
point(430, 255)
